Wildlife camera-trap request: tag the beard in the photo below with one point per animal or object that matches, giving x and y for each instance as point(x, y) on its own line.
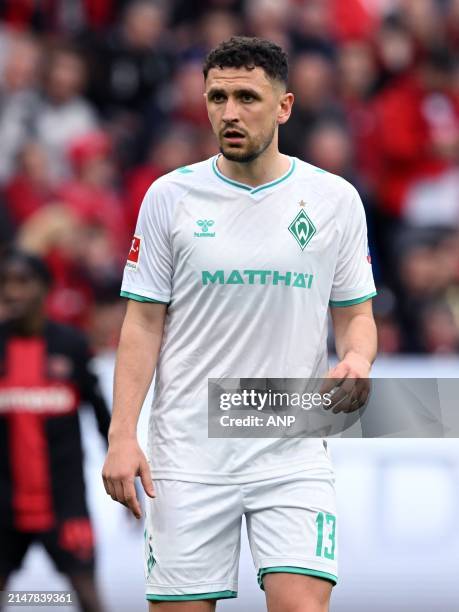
point(245, 157)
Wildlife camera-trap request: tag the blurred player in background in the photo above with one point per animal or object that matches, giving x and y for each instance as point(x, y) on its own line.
point(233, 266)
point(44, 376)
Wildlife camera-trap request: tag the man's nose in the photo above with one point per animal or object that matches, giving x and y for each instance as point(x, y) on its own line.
point(230, 114)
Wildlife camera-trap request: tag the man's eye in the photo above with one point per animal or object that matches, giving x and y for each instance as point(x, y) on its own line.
point(247, 98)
point(218, 98)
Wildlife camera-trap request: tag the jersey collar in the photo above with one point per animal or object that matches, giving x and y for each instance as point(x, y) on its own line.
point(252, 190)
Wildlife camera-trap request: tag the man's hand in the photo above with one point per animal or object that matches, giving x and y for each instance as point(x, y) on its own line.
point(348, 383)
point(125, 460)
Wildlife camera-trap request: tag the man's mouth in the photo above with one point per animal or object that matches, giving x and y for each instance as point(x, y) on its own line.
point(233, 136)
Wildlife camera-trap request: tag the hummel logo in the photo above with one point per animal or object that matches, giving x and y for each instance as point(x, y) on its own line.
point(204, 224)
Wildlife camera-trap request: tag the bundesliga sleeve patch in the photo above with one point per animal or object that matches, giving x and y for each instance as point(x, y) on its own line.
point(134, 253)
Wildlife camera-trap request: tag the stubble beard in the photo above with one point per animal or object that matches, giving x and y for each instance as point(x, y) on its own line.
point(250, 155)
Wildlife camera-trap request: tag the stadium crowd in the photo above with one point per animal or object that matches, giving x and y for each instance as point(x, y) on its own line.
point(98, 98)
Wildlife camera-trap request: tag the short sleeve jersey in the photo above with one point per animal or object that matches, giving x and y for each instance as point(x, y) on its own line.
point(248, 275)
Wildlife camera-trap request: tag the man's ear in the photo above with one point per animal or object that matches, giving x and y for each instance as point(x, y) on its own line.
point(285, 107)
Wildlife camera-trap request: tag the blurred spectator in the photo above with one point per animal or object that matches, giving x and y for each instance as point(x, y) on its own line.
point(105, 319)
point(329, 147)
point(424, 19)
point(434, 201)
point(193, 22)
point(61, 17)
point(31, 187)
point(312, 81)
point(452, 23)
point(131, 64)
point(63, 114)
point(384, 310)
point(357, 79)
point(206, 145)
point(428, 263)
point(85, 290)
point(418, 129)
point(84, 237)
point(176, 148)
point(91, 194)
point(55, 234)
point(185, 102)
point(186, 13)
point(312, 27)
point(7, 229)
point(395, 47)
point(439, 330)
point(357, 70)
point(269, 19)
point(133, 61)
point(353, 20)
point(214, 27)
point(21, 15)
point(18, 98)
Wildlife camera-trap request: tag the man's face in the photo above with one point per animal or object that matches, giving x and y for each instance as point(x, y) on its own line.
point(245, 107)
point(22, 293)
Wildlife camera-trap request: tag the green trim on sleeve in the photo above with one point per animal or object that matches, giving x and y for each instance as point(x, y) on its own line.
point(339, 304)
point(139, 298)
point(294, 570)
point(197, 596)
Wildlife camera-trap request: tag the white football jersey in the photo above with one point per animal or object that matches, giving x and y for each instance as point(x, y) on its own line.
point(248, 275)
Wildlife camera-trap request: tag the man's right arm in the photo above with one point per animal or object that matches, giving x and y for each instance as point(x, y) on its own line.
point(137, 355)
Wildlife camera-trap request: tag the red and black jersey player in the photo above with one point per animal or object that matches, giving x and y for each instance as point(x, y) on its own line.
point(44, 377)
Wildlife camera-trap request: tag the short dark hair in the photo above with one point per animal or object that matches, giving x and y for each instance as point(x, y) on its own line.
point(249, 52)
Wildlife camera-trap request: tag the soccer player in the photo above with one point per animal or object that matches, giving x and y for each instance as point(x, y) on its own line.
point(44, 375)
point(233, 266)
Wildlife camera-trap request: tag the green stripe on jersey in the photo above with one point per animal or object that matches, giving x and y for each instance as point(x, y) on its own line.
point(193, 597)
point(139, 298)
point(295, 570)
point(279, 180)
point(338, 304)
point(252, 190)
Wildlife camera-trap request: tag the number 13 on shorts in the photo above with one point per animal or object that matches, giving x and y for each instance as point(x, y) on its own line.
point(326, 533)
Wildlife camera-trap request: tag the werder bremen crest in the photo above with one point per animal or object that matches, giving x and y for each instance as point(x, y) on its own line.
point(302, 229)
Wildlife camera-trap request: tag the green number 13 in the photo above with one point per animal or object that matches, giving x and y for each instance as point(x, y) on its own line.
point(327, 551)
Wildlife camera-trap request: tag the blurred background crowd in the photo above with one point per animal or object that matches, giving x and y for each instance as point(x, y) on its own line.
point(98, 98)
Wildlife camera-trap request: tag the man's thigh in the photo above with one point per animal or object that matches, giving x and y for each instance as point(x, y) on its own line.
point(296, 593)
point(192, 544)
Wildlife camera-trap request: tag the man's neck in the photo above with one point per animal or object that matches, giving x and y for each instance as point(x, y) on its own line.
point(268, 167)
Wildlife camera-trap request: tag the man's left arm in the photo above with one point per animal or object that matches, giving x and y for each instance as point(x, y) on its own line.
point(351, 308)
point(356, 346)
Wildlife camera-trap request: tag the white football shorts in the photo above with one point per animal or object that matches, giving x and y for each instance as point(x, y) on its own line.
point(193, 533)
